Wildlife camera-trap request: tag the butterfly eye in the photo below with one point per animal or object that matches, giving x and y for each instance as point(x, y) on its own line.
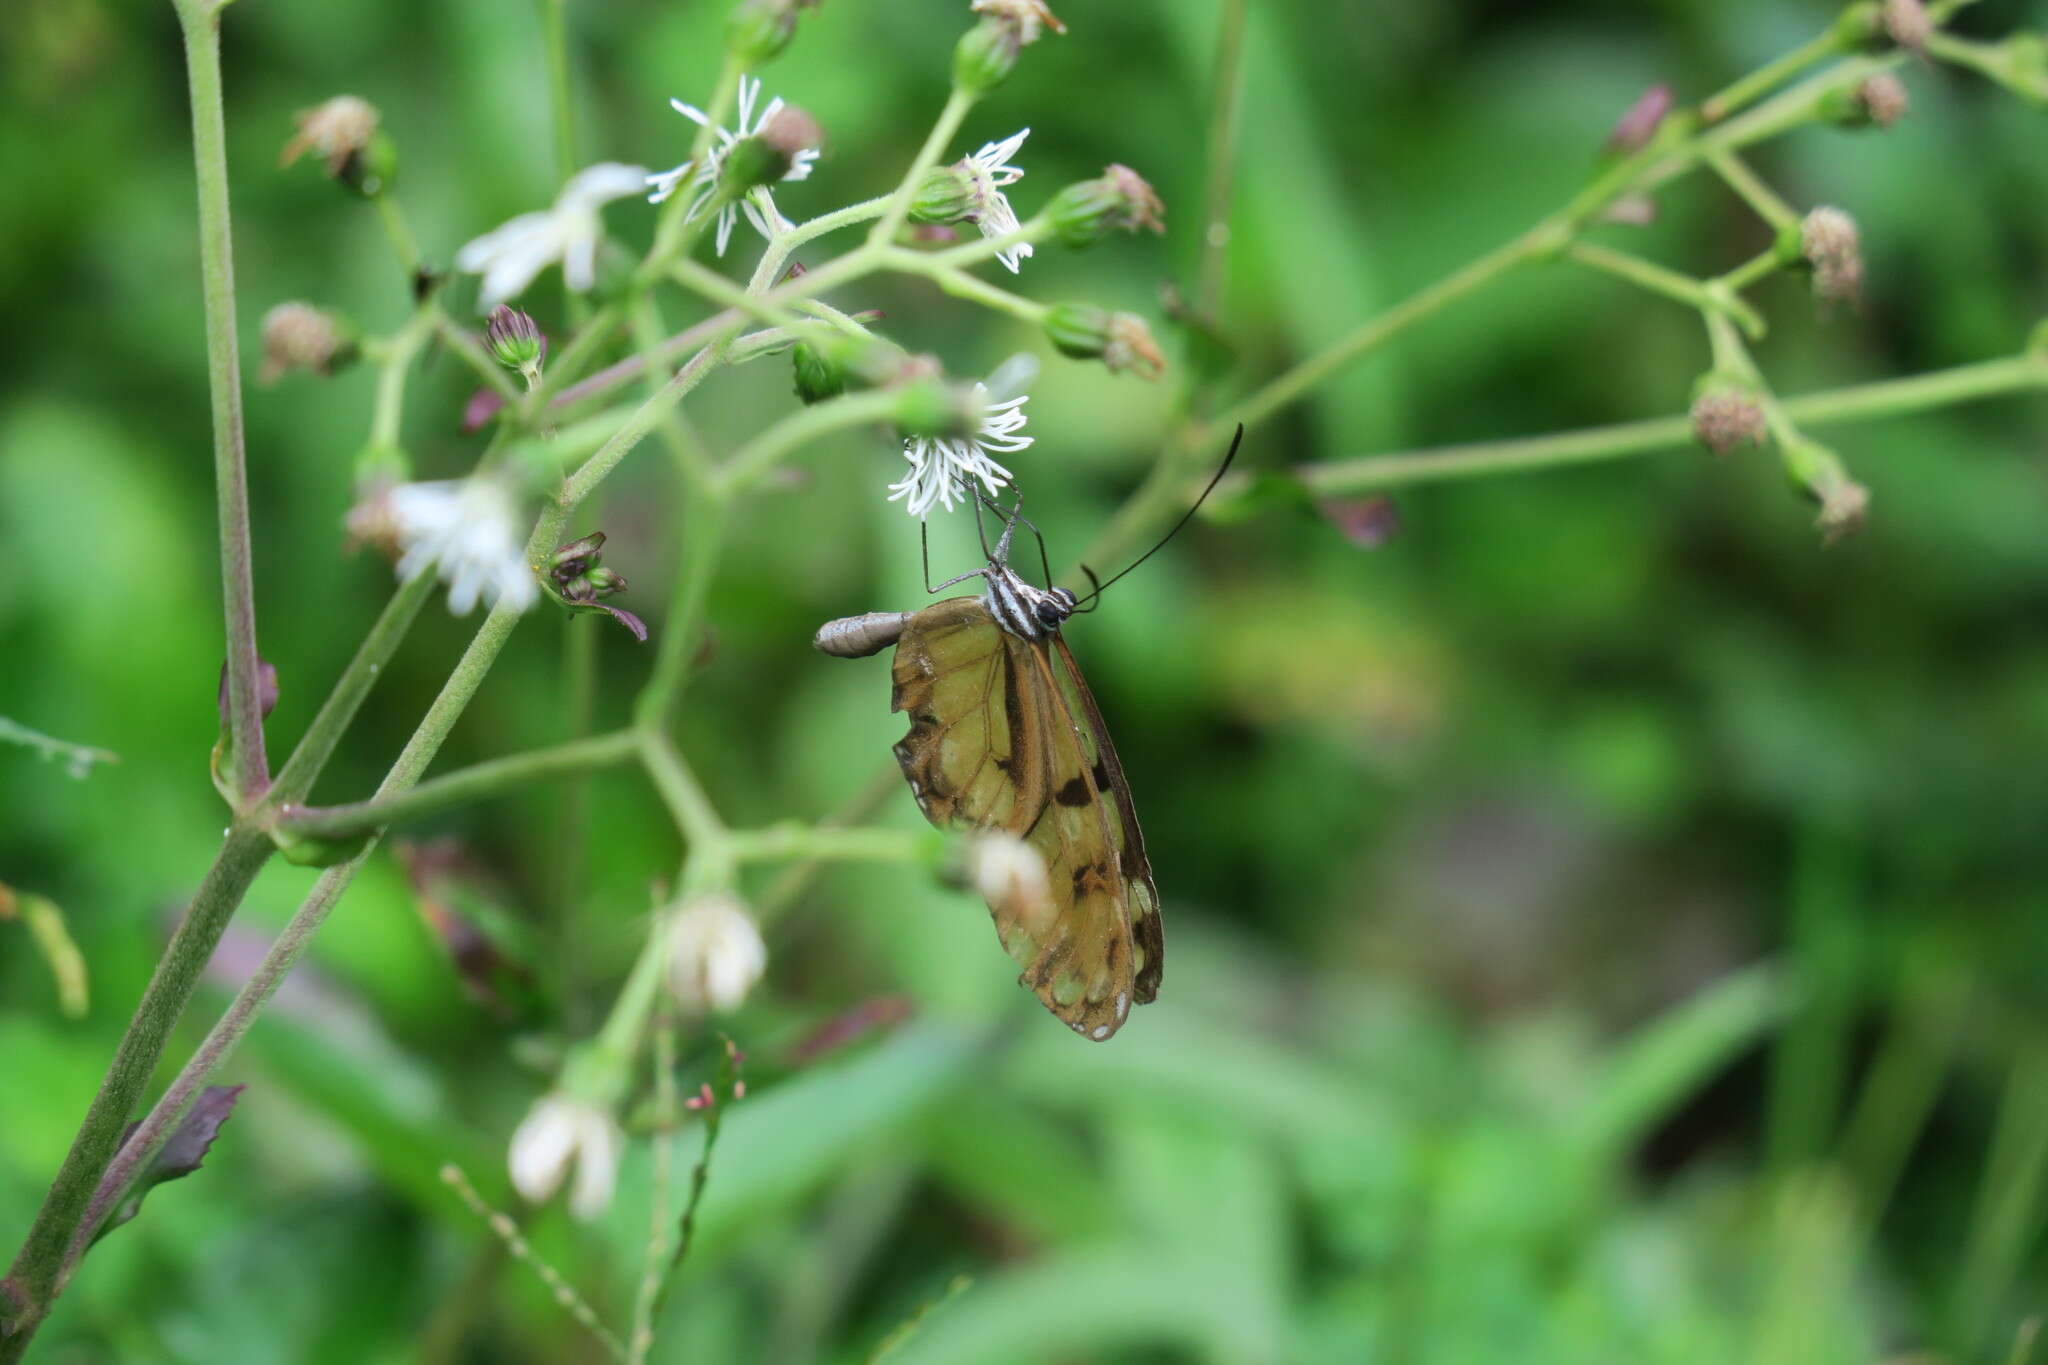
point(1051, 611)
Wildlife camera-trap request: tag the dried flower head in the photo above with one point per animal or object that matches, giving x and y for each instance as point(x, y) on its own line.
point(338, 132)
point(1828, 241)
point(1882, 99)
point(1725, 417)
point(298, 336)
point(1844, 507)
point(1908, 23)
point(1119, 199)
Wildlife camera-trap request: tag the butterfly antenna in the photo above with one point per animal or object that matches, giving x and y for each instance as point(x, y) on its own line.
point(1185, 518)
point(1091, 598)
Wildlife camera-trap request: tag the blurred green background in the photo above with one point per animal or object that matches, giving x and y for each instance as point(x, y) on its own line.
point(1606, 926)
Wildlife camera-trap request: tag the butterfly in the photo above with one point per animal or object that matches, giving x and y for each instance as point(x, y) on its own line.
point(1005, 737)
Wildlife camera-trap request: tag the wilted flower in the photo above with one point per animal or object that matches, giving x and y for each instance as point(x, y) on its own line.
point(1724, 417)
point(509, 257)
point(705, 177)
point(470, 528)
point(1882, 98)
point(298, 336)
point(338, 132)
point(1119, 199)
point(715, 954)
point(558, 1132)
point(941, 467)
point(1827, 239)
point(1908, 23)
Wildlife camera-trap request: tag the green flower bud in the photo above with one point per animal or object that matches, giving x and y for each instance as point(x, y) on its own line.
point(818, 376)
point(516, 342)
point(758, 30)
point(946, 196)
point(604, 582)
point(1119, 199)
point(987, 53)
point(767, 156)
point(1080, 330)
point(1819, 473)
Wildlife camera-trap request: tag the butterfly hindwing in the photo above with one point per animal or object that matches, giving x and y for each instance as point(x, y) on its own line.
point(1004, 736)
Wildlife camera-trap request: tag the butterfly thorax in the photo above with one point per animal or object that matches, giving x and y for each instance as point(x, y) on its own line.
point(1026, 612)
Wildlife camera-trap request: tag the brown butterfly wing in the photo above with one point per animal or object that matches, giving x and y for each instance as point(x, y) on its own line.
point(996, 743)
point(1141, 896)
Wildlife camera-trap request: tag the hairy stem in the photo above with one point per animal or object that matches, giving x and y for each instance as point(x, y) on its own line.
point(200, 21)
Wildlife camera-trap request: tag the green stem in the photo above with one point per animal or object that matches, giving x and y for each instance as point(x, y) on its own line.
point(973, 288)
point(1685, 289)
point(561, 102)
point(562, 369)
point(770, 268)
point(400, 233)
point(950, 118)
point(35, 1278)
point(394, 364)
point(572, 842)
point(1426, 303)
point(1757, 267)
point(684, 796)
point(412, 761)
point(784, 843)
point(1769, 77)
point(753, 460)
point(576, 757)
point(701, 528)
point(200, 22)
point(1761, 197)
point(593, 471)
point(1030, 232)
point(1226, 93)
point(1858, 402)
point(295, 779)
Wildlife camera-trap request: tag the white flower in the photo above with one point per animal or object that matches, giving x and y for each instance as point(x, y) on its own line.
point(558, 1132)
point(988, 171)
point(940, 467)
point(760, 212)
point(715, 954)
point(470, 527)
point(510, 256)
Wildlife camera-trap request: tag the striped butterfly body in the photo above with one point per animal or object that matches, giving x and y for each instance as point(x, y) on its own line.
point(1005, 737)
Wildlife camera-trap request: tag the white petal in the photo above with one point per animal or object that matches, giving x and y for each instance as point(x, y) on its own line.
point(478, 252)
point(600, 184)
point(541, 1147)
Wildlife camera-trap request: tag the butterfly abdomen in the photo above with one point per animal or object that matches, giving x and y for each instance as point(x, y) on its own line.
point(856, 637)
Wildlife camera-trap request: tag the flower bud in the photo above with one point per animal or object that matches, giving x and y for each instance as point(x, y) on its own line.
point(1725, 415)
point(1121, 341)
point(298, 336)
point(767, 156)
point(818, 375)
point(343, 133)
point(987, 53)
point(758, 30)
point(715, 954)
point(1640, 121)
point(516, 342)
point(1119, 199)
point(603, 582)
point(947, 195)
point(559, 1132)
point(1828, 242)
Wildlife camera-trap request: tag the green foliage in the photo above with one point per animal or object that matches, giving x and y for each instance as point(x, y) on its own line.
point(1604, 925)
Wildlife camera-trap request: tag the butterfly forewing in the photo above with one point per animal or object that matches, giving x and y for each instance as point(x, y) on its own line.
point(1004, 735)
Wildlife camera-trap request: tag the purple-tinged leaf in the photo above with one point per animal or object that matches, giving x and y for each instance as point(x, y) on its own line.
point(181, 1154)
